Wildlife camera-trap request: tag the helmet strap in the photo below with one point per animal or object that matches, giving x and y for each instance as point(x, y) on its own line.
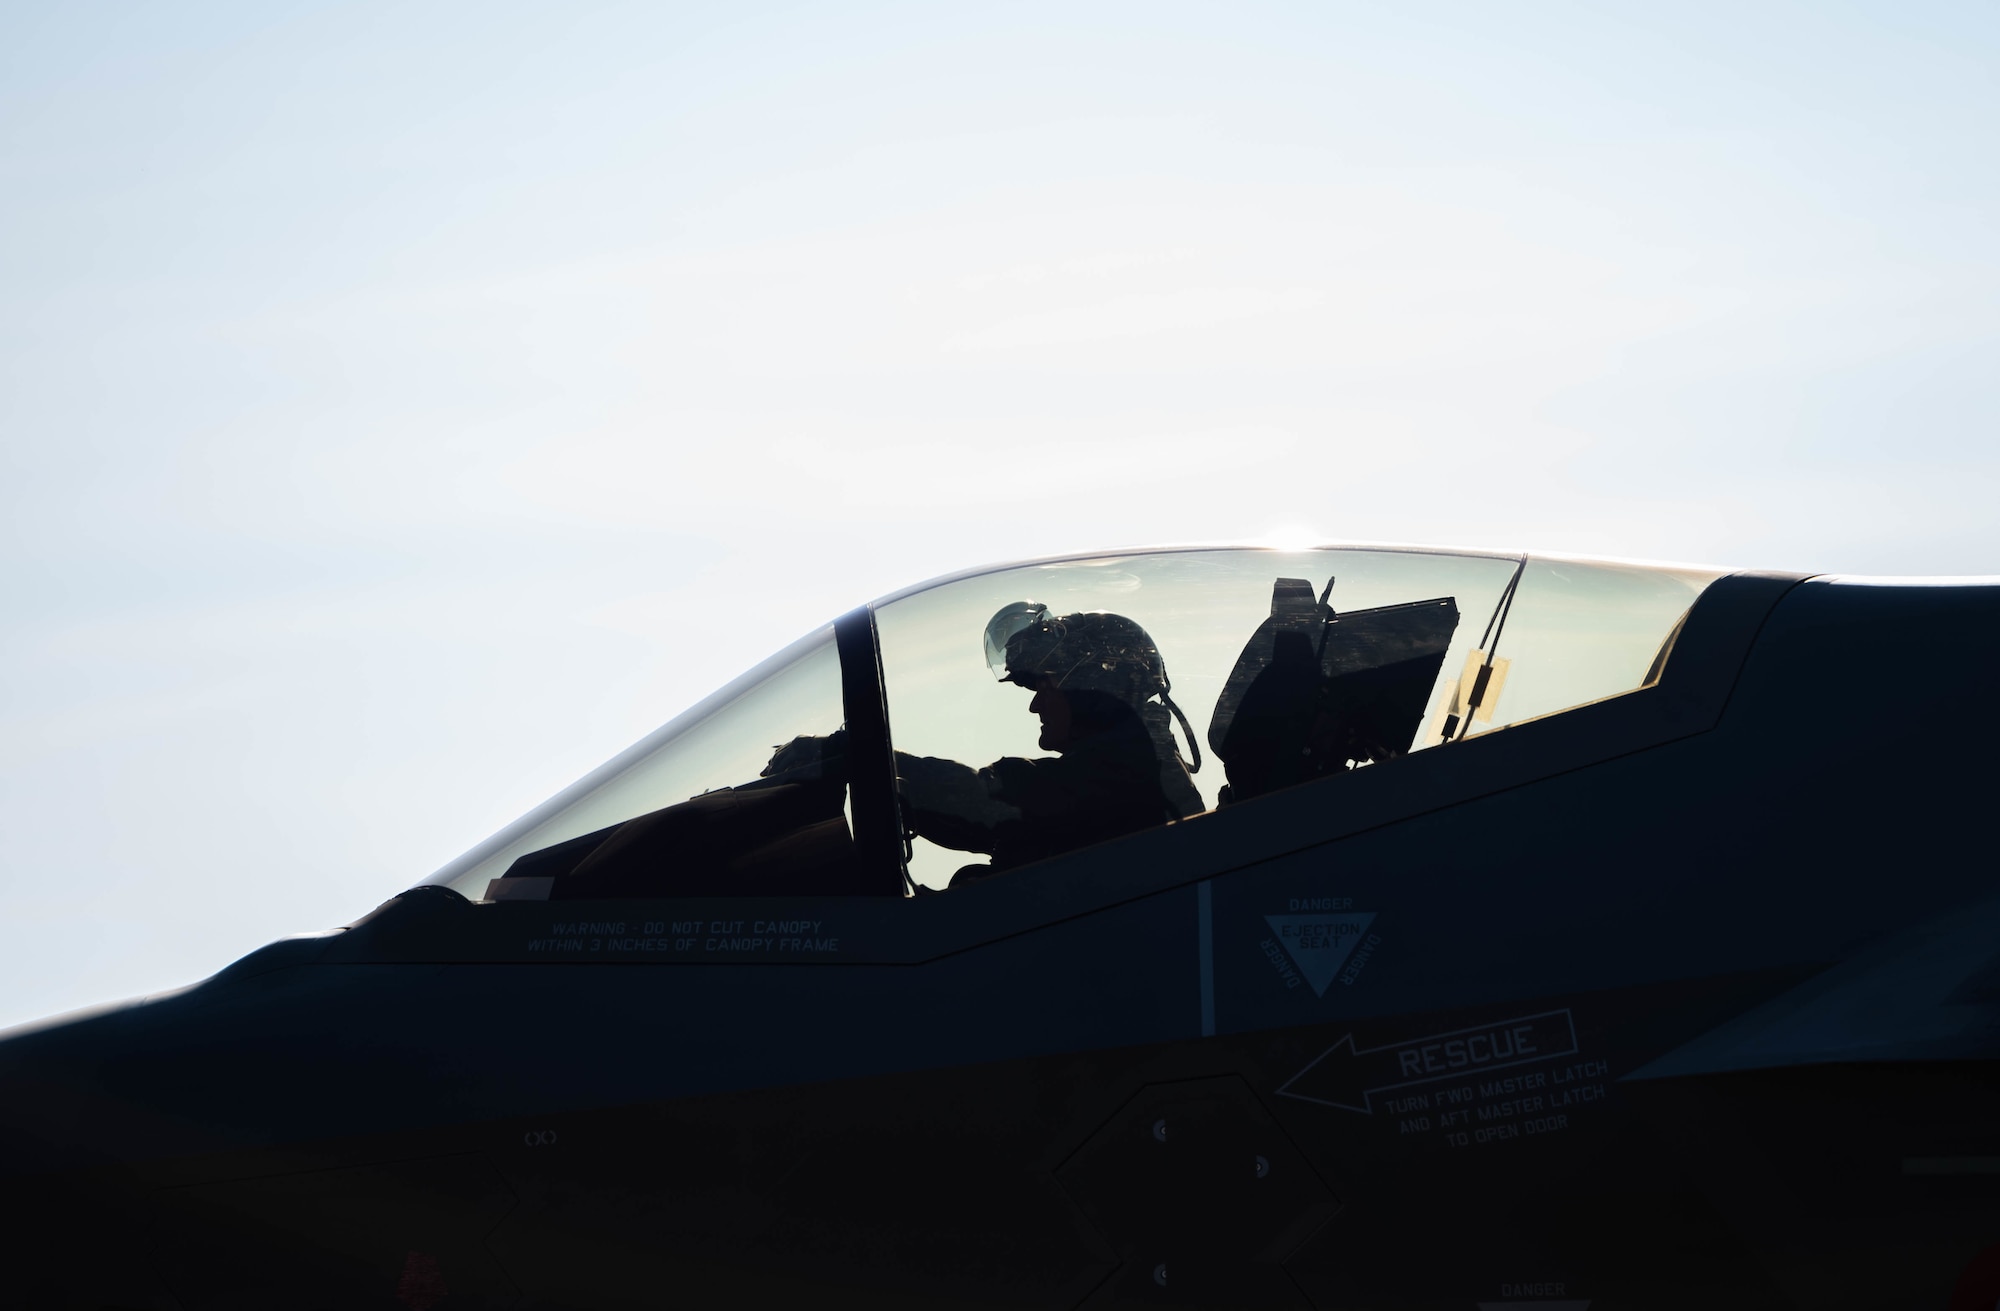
point(1186, 732)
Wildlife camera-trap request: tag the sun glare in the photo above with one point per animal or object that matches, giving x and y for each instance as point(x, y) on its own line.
point(1291, 537)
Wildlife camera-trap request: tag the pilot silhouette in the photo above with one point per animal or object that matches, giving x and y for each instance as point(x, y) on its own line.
point(1103, 697)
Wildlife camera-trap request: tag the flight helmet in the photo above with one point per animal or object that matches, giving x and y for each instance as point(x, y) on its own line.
point(1091, 652)
point(1094, 651)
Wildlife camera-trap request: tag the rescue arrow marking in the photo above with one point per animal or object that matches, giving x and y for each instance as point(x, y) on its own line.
point(1347, 1077)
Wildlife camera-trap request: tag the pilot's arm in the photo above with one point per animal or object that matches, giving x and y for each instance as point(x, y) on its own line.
point(951, 804)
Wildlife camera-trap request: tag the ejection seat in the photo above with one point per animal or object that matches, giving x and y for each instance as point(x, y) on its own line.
point(1318, 692)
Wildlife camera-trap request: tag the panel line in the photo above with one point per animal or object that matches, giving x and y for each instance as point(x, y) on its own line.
point(1205, 918)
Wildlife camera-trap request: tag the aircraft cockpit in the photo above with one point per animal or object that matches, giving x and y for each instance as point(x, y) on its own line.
point(971, 725)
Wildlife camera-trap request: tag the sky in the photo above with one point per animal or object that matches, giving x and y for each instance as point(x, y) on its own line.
point(405, 407)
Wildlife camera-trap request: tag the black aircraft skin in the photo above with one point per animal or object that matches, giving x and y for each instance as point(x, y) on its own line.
point(1686, 998)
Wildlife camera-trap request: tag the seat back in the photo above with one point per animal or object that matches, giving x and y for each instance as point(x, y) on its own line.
point(1316, 691)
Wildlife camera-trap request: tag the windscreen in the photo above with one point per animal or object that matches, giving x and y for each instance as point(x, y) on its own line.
point(745, 793)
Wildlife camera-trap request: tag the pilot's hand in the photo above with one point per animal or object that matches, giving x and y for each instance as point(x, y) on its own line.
point(809, 757)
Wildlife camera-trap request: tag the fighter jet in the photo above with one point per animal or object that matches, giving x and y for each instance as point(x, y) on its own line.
point(1352, 927)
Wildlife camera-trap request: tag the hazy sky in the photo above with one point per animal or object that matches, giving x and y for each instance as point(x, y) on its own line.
point(404, 407)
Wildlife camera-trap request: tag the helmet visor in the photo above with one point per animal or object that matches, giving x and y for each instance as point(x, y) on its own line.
point(1012, 621)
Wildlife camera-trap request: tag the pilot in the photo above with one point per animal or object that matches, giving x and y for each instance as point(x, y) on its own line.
point(1101, 691)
